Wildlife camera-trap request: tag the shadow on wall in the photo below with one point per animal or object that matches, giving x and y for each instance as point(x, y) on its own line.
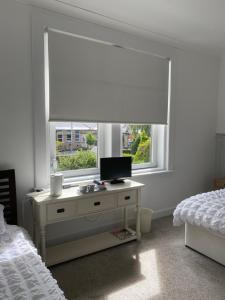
point(220, 156)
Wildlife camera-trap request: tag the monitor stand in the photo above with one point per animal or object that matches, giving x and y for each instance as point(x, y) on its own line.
point(116, 181)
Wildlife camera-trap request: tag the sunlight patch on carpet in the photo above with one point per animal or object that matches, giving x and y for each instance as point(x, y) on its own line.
point(147, 285)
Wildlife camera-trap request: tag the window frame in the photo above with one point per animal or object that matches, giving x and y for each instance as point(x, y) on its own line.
point(40, 93)
point(109, 143)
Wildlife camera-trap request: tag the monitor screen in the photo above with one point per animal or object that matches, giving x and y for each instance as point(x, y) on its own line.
point(114, 168)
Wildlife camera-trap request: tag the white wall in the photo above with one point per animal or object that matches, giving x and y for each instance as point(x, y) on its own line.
point(195, 119)
point(16, 145)
point(221, 98)
point(196, 79)
point(220, 145)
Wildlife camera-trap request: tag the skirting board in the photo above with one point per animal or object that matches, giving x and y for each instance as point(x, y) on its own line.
point(163, 213)
point(206, 242)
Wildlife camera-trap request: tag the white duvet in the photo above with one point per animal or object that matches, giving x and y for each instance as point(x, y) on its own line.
point(23, 275)
point(207, 210)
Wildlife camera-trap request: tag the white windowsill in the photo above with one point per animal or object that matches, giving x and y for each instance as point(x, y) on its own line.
point(135, 173)
point(150, 171)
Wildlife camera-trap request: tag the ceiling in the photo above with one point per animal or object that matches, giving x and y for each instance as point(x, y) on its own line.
point(199, 23)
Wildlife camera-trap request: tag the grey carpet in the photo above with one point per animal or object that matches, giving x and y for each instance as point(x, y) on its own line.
point(158, 267)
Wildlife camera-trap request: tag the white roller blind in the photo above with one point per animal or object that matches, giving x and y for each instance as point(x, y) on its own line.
point(91, 80)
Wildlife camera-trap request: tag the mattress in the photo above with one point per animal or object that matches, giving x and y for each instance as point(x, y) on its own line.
point(23, 275)
point(206, 210)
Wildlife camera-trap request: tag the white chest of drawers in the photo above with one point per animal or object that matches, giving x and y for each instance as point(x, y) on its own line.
point(72, 204)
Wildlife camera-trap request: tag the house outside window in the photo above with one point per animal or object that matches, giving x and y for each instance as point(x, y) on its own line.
point(71, 152)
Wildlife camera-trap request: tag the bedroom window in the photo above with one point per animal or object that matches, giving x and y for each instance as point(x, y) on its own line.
point(53, 102)
point(77, 150)
point(76, 147)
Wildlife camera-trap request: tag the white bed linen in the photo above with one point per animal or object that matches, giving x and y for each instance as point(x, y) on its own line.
point(206, 210)
point(23, 275)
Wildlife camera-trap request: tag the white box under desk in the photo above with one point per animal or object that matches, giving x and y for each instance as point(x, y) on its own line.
point(71, 205)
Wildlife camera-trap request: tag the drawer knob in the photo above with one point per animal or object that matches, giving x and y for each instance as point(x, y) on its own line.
point(127, 197)
point(97, 203)
point(60, 210)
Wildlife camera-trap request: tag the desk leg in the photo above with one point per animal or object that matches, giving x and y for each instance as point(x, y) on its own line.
point(36, 229)
point(43, 243)
point(125, 225)
point(36, 237)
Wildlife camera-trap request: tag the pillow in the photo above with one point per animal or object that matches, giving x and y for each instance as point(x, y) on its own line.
point(2, 220)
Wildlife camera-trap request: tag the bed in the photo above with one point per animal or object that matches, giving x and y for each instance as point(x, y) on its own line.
point(204, 219)
point(23, 275)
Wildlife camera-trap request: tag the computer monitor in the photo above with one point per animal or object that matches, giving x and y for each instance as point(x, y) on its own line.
point(115, 169)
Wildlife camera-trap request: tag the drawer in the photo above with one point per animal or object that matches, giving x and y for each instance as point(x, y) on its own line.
point(127, 198)
point(60, 211)
point(95, 204)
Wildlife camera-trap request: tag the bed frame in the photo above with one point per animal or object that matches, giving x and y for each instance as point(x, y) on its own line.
point(8, 195)
point(205, 242)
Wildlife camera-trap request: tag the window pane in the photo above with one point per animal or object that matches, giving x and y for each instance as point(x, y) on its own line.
point(76, 145)
point(59, 136)
point(69, 136)
point(137, 142)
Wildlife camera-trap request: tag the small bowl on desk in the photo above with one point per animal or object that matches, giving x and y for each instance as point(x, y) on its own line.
point(87, 188)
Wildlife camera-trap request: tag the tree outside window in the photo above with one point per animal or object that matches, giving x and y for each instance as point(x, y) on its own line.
point(137, 142)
